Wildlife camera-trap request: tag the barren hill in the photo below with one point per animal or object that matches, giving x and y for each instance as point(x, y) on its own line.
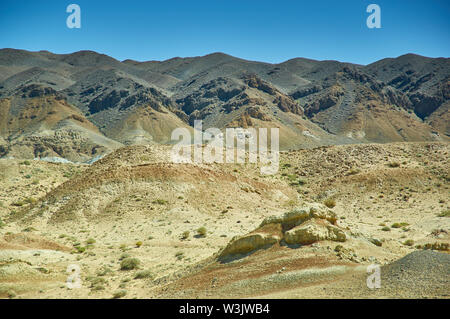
point(225, 230)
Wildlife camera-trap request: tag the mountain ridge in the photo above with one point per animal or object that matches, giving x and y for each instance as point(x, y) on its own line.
point(314, 103)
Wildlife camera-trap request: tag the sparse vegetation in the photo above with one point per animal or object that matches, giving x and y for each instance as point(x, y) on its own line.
point(353, 171)
point(394, 164)
point(129, 264)
point(124, 255)
point(330, 203)
point(97, 283)
point(435, 246)
point(143, 274)
point(201, 232)
point(444, 213)
point(408, 242)
point(119, 294)
point(104, 271)
point(385, 228)
point(179, 255)
point(139, 244)
point(399, 225)
point(376, 242)
point(160, 202)
point(80, 249)
point(185, 235)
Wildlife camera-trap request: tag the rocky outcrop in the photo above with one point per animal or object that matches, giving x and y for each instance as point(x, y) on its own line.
point(249, 243)
point(327, 99)
point(312, 231)
point(301, 226)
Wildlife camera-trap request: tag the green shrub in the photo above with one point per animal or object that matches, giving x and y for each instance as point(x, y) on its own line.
point(80, 249)
point(129, 264)
point(179, 255)
point(376, 242)
point(353, 171)
point(143, 274)
point(394, 164)
point(104, 271)
point(399, 225)
point(385, 228)
point(18, 203)
point(445, 213)
point(138, 244)
point(185, 235)
point(119, 294)
point(408, 242)
point(160, 202)
point(330, 203)
point(201, 231)
point(435, 246)
point(124, 255)
point(90, 241)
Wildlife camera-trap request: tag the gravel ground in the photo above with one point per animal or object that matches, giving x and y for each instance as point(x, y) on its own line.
point(420, 273)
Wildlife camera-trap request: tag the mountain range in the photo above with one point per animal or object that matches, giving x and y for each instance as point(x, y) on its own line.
point(81, 105)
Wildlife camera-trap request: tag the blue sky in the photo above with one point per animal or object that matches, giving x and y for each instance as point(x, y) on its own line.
point(270, 31)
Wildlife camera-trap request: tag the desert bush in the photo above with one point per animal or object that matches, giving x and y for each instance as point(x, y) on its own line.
point(408, 242)
point(376, 242)
point(394, 164)
point(119, 294)
point(143, 274)
point(138, 244)
point(444, 213)
point(399, 225)
point(160, 202)
point(90, 241)
point(129, 264)
point(179, 255)
point(385, 228)
point(80, 249)
point(201, 231)
point(353, 171)
point(435, 246)
point(124, 255)
point(185, 235)
point(97, 283)
point(104, 271)
point(18, 203)
point(330, 203)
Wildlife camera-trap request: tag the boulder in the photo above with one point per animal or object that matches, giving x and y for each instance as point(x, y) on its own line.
point(298, 216)
point(249, 243)
point(313, 231)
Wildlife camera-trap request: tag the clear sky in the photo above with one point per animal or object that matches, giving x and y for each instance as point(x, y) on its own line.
point(270, 31)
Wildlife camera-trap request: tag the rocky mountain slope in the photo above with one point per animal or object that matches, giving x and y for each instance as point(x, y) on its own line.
point(85, 104)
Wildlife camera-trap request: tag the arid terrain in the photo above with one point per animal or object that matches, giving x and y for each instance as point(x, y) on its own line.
point(139, 226)
point(89, 192)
